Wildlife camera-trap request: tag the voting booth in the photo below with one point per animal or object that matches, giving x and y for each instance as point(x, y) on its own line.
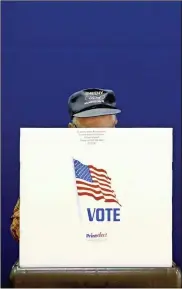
point(94, 203)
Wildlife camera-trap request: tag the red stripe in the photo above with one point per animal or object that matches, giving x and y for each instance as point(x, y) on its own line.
point(104, 184)
point(91, 195)
point(95, 183)
point(107, 182)
point(95, 192)
point(94, 186)
point(100, 175)
point(98, 198)
point(112, 201)
point(98, 170)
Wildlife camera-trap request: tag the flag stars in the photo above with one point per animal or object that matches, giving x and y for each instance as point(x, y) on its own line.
point(82, 171)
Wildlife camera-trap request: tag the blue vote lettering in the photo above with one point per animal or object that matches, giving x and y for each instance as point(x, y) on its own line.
point(116, 215)
point(101, 215)
point(90, 215)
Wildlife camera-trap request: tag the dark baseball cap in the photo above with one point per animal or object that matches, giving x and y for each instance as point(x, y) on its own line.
point(92, 102)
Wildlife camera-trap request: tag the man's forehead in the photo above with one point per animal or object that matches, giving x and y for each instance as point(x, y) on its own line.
point(96, 119)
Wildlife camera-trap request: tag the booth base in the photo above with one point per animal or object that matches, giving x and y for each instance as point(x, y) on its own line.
point(96, 277)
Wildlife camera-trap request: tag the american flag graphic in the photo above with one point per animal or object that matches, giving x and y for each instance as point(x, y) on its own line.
point(94, 183)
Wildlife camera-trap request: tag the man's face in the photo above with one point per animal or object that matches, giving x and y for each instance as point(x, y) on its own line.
point(105, 121)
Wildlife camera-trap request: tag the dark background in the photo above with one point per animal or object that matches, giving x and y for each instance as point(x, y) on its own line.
point(51, 49)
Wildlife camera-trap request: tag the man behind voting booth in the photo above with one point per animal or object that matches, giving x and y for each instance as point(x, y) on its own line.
point(88, 108)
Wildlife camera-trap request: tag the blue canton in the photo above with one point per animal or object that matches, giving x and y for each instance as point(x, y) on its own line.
point(82, 171)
